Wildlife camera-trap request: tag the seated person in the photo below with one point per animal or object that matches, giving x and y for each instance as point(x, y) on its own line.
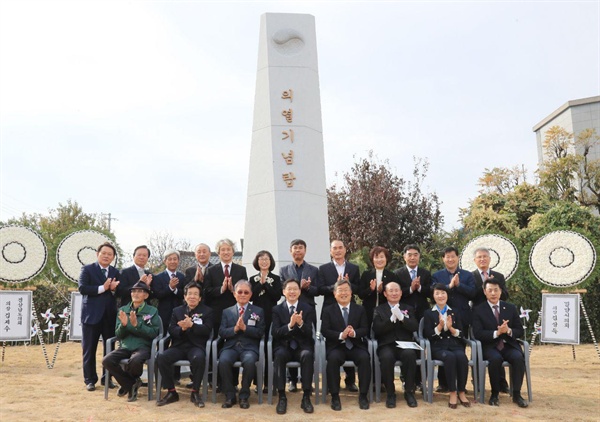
point(497, 325)
point(292, 330)
point(137, 325)
point(443, 328)
point(344, 326)
point(242, 327)
point(190, 327)
point(395, 321)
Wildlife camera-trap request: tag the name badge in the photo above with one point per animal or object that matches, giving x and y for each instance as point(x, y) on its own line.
point(198, 321)
point(251, 322)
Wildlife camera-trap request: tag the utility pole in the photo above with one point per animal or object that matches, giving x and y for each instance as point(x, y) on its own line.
point(109, 218)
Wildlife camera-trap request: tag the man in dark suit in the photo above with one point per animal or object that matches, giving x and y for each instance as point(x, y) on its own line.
point(498, 326)
point(190, 327)
point(131, 275)
point(196, 272)
point(414, 281)
point(329, 274)
point(396, 321)
point(167, 287)
point(219, 281)
point(292, 330)
point(242, 327)
point(98, 284)
point(308, 276)
point(344, 326)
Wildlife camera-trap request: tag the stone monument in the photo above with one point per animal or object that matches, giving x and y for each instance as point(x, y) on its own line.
point(286, 184)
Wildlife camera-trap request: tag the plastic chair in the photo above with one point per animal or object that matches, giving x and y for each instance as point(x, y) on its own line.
point(150, 363)
point(161, 348)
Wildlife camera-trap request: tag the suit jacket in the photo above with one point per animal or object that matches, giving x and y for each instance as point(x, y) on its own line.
point(128, 277)
point(308, 271)
point(459, 297)
point(418, 300)
point(445, 340)
point(190, 273)
point(266, 295)
point(199, 333)
point(388, 332)
point(167, 299)
point(479, 295)
point(281, 332)
point(484, 325)
point(213, 281)
point(94, 306)
point(328, 276)
point(368, 296)
point(249, 339)
point(332, 324)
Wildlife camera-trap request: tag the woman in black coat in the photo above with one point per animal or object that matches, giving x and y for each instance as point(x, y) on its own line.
point(443, 328)
point(373, 281)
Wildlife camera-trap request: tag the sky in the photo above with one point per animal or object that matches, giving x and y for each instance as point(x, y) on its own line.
point(143, 109)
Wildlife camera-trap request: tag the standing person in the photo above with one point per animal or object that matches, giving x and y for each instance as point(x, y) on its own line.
point(266, 291)
point(98, 284)
point(374, 280)
point(395, 321)
point(414, 280)
point(498, 326)
point(308, 276)
point(168, 287)
point(242, 327)
point(344, 326)
point(443, 328)
point(196, 272)
point(131, 275)
point(329, 274)
point(292, 329)
point(138, 324)
point(219, 281)
point(190, 328)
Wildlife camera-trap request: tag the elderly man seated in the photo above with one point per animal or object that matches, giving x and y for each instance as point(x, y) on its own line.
point(137, 325)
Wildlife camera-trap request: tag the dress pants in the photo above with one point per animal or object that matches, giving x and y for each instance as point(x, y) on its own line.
point(89, 343)
point(388, 355)
point(456, 367)
point(133, 369)
point(336, 358)
point(283, 355)
point(166, 359)
point(227, 358)
point(496, 357)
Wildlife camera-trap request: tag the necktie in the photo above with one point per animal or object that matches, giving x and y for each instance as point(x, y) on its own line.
point(292, 310)
point(226, 270)
point(293, 343)
point(413, 274)
point(485, 275)
point(349, 344)
point(241, 311)
point(140, 272)
point(104, 272)
point(500, 344)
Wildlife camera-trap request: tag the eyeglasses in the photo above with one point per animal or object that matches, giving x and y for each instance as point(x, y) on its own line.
point(243, 292)
point(264, 258)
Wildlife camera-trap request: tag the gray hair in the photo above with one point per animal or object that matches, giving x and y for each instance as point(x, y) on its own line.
point(224, 242)
point(201, 244)
point(242, 282)
point(481, 249)
point(170, 252)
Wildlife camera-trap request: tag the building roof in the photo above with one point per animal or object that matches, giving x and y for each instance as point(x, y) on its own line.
point(564, 107)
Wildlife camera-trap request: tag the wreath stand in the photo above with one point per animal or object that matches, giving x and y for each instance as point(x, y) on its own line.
point(578, 292)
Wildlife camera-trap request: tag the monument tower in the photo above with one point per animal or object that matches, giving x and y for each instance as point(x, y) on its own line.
point(286, 184)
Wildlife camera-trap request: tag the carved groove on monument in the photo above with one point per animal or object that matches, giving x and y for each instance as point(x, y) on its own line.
point(288, 42)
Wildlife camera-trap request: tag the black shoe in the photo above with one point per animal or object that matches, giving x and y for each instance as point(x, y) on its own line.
point(292, 387)
point(282, 406)
point(306, 405)
point(420, 387)
point(410, 399)
point(494, 400)
point(122, 392)
point(196, 399)
point(441, 389)
point(111, 384)
point(189, 385)
point(363, 402)
point(229, 403)
point(351, 386)
point(244, 404)
point(336, 404)
point(134, 390)
point(390, 401)
point(504, 390)
point(90, 386)
point(520, 401)
point(171, 397)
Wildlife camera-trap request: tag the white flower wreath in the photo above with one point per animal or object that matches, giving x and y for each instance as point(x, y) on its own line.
point(562, 258)
point(79, 249)
point(23, 254)
point(504, 256)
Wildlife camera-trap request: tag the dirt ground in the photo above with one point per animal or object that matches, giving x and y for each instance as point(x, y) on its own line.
point(563, 389)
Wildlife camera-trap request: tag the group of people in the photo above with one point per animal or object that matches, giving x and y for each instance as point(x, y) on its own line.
point(221, 302)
